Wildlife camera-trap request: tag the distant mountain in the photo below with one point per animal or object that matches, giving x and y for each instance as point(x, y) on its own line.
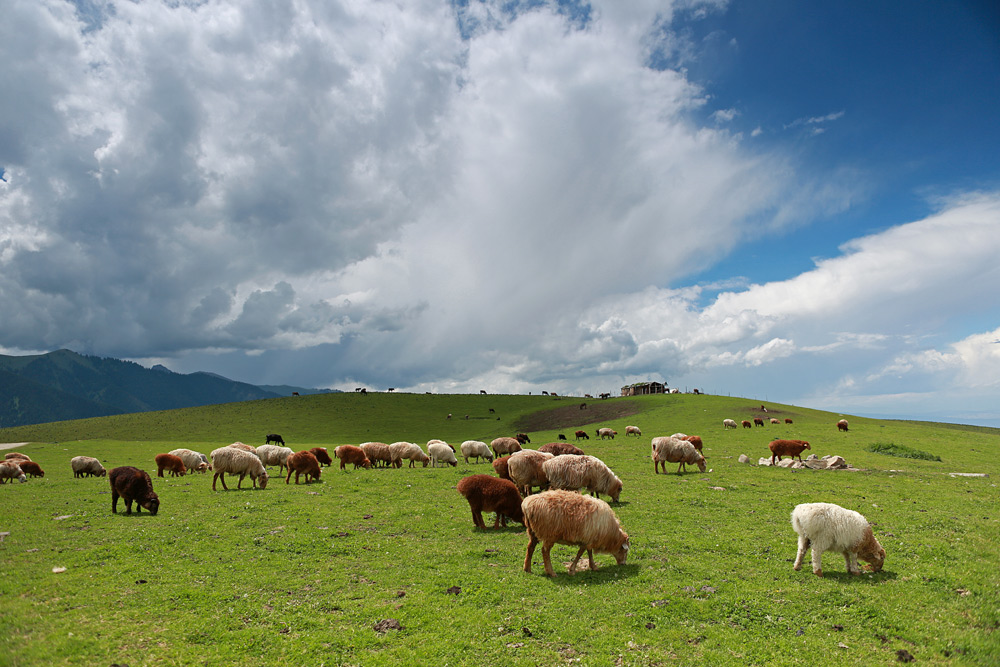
point(65, 385)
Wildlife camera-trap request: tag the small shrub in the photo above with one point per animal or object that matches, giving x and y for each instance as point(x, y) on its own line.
point(901, 451)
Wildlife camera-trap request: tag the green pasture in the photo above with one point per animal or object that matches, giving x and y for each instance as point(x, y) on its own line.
point(299, 575)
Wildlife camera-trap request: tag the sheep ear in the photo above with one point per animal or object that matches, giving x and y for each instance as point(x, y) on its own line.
point(625, 546)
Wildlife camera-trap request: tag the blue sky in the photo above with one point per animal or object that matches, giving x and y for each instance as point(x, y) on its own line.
point(783, 201)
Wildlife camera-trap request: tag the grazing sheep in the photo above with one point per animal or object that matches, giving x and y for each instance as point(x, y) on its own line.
point(500, 467)
point(525, 469)
point(274, 455)
point(275, 438)
point(842, 425)
point(757, 421)
point(192, 460)
point(775, 421)
point(352, 454)
point(791, 448)
point(561, 436)
point(322, 455)
point(729, 423)
point(172, 464)
point(693, 439)
point(435, 440)
point(747, 424)
point(674, 450)
point(407, 450)
point(503, 446)
point(486, 493)
point(829, 527)
point(237, 461)
point(244, 447)
point(573, 473)
point(561, 449)
point(17, 455)
point(605, 433)
point(132, 484)
point(477, 449)
point(87, 465)
point(441, 452)
point(29, 467)
point(566, 517)
point(787, 420)
point(632, 430)
point(523, 439)
point(10, 469)
point(303, 463)
point(582, 435)
point(378, 453)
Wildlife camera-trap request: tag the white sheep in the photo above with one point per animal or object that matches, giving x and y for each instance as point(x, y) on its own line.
point(87, 465)
point(192, 459)
point(441, 452)
point(237, 461)
point(729, 423)
point(576, 472)
point(9, 469)
point(477, 449)
point(407, 450)
point(274, 455)
point(674, 450)
point(632, 430)
point(526, 469)
point(829, 527)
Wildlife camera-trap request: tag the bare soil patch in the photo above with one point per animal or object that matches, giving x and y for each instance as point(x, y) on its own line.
point(572, 416)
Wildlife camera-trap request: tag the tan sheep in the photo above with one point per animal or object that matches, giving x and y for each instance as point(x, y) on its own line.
point(525, 470)
point(237, 461)
point(674, 450)
point(577, 472)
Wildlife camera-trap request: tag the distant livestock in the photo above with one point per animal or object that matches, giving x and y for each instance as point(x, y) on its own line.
point(747, 424)
point(132, 485)
point(566, 517)
point(87, 465)
point(757, 421)
point(842, 425)
point(729, 423)
point(790, 448)
point(632, 430)
point(582, 435)
point(828, 527)
point(787, 420)
point(486, 493)
point(523, 439)
point(674, 450)
point(775, 421)
point(275, 438)
point(606, 433)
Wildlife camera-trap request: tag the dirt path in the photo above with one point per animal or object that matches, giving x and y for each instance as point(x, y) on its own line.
point(11, 445)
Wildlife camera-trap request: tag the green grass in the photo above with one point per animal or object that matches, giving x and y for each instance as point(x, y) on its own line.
point(298, 575)
point(901, 451)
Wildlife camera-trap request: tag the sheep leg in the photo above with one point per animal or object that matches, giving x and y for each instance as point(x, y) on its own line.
point(532, 542)
point(547, 558)
point(114, 502)
point(572, 566)
point(817, 561)
point(803, 547)
point(239, 483)
point(852, 563)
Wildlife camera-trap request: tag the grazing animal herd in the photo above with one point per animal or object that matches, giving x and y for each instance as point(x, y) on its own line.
point(558, 513)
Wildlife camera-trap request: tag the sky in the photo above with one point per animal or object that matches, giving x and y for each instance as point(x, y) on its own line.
point(791, 202)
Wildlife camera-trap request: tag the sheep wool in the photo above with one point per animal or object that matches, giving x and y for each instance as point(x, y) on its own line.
point(828, 527)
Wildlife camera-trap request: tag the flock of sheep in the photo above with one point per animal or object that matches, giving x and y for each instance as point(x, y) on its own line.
point(557, 514)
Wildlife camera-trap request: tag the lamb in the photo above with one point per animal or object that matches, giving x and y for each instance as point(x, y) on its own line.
point(829, 527)
point(378, 453)
point(441, 452)
point(476, 449)
point(632, 430)
point(675, 450)
point(29, 467)
point(565, 517)
point(561, 449)
point(352, 454)
point(525, 469)
point(582, 435)
point(132, 484)
point(500, 467)
point(172, 464)
point(87, 465)
point(486, 493)
point(237, 461)
point(729, 423)
point(304, 463)
point(192, 460)
point(842, 425)
point(790, 448)
point(605, 433)
point(274, 455)
point(10, 469)
point(503, 446)
point(322, 455)
point(747, 424)
point(407, 450)
point(576, 472)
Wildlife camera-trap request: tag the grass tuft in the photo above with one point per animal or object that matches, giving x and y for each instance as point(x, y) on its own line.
point(901, 451)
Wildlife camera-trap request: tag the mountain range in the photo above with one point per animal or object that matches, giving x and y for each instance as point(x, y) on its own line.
point(65, 385)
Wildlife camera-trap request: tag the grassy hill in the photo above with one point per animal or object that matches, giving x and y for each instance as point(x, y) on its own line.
point(296, 575)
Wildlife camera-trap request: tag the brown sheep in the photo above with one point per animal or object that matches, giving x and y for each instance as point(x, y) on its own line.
point(790, 448)
point(566, 517)
point(500, 467)
point(17, 455)
point(842, 425)
point(582, 435)
point(747, 424)
point(321, 455)
point(29, 468)
point(171, 463)
point(378, 453)
point(303, 463)
point(757, 421)
point(523, 439)
point(787, 420)
point(503, 446)
point(132, 484)
point(561, 449)
point(352, 454)
point(486, 493)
